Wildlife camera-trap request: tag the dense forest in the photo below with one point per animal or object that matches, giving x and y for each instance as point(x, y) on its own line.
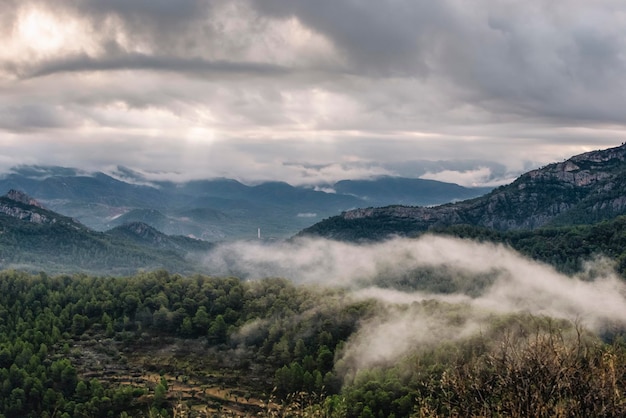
point(163, 345)
point(65, 340)
point(566, 247)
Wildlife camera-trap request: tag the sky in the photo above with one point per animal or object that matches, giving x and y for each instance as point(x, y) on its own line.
point(311, 92)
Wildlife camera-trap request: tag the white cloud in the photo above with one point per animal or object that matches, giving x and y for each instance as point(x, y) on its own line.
point(515, 285)
point(307, 215)
point(480, 177)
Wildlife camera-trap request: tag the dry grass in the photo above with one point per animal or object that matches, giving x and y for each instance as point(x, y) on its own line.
point(547, 374)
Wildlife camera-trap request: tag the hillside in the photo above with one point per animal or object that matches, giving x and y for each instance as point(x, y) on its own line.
point(586, 188)
point(34, 238)
point(567, 248)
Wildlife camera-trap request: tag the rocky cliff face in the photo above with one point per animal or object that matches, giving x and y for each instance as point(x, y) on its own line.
point(22, 197)
point(586, 188)
point(19, 205)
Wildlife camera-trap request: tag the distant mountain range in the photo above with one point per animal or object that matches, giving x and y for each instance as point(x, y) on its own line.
point(584, 189)
point(215, 209)
point(37, 239)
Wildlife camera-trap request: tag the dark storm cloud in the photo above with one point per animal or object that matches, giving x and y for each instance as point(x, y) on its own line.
point(159, 17)
point(158, 10)
point(135, 61)
point(29, 117)
point(555, 60)
point(558, 62)
point(381, 37)
point(172, 26)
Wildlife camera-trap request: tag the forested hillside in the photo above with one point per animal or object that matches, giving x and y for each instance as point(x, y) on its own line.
point(33, 238)
point(567, 248)
point(161, 345)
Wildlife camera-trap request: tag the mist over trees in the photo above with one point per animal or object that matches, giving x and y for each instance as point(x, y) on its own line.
point(160, 344)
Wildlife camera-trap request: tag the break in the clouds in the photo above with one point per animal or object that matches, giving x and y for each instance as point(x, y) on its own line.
point(310, 92)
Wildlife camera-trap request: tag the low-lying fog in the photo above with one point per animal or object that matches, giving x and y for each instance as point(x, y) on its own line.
point(485, 278)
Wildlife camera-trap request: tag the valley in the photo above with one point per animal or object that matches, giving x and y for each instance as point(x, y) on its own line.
point(312, 209)
point(407, 311)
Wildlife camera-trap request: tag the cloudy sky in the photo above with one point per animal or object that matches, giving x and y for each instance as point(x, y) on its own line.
point(310, 91)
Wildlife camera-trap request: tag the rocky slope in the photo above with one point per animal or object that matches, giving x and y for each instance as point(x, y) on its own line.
point(19, 205)
point(583, 189)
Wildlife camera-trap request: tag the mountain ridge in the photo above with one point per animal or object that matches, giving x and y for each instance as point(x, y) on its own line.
point(585, 188)
point(213, 209)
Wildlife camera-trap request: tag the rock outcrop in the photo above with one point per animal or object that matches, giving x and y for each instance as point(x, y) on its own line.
point(19, 205)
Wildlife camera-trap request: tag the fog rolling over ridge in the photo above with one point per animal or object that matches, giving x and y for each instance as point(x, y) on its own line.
point(481, 280)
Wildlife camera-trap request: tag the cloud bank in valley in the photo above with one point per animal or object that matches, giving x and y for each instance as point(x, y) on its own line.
point(514, 285)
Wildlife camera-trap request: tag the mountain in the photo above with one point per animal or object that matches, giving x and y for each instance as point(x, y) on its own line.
point(151, 217)
point(34, 238)
point(406, 191)
point(584, 189)
point(214, 209)
point(65, 184)
point(144, 235)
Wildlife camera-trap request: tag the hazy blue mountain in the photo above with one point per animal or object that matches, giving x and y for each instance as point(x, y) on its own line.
point(186, 223)
point(148, 216)
point(219, 187)
point(584, 189)
point(406, 191)
point(144, 235)
point(69, 184)
point(213, 209)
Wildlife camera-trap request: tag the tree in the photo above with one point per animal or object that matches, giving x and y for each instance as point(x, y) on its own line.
point(186, 328)
point(160, 392)
point(299, 350)
point(160, 319)
point(82, 392)
point(325, 359)
point(218, 330)
point(201, 320)
point(16, 402)
point(79, 324)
